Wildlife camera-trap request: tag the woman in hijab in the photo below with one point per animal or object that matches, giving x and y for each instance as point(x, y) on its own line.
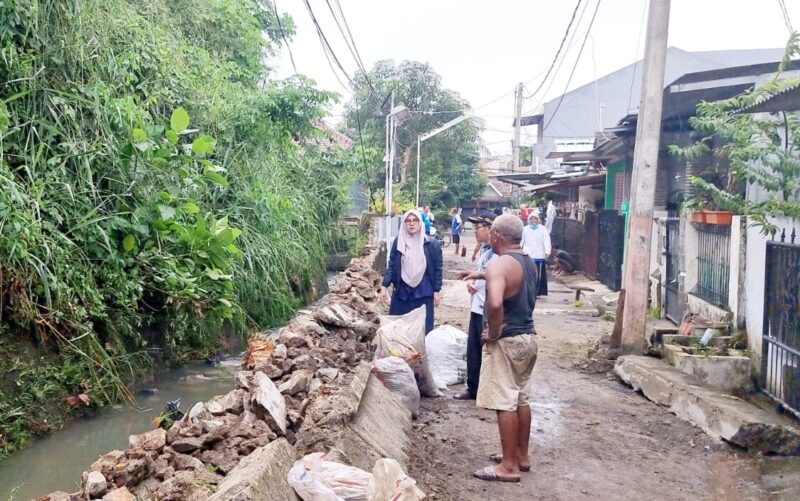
point(415, 270)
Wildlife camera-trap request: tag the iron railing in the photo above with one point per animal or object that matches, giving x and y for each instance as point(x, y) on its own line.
point(780, 360)
point(713, 263)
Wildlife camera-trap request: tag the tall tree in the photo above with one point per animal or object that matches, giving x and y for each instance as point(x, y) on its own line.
point(449, 160)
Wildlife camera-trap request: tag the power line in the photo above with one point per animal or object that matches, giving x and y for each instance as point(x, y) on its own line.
point(786, 16)
point(555, 58)
point(283, 35)
point(351, 44)
point(326, 46)
point(575, 66)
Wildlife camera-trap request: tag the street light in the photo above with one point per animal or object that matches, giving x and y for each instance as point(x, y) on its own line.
point(397, 115)
point(430, 134)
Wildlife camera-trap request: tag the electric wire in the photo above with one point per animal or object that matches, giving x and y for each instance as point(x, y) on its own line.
point(558, 52)
point(355, 47)
point(574, 66)
point(283, 34)
point(351, 44)
point(785, 13)
point(326, 46)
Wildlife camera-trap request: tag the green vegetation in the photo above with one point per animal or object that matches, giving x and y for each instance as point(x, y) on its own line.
point(749, 149)
point(157, 190)
point(449, 160)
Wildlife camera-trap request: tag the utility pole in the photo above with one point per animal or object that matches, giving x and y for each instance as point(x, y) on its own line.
point(636, 280)
point(517, 126)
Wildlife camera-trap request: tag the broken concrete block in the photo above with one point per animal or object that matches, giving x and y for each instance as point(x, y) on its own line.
point(328, 374)
point(96, 485)
point(121, 494)
point(298, 382)
point(260, 476)
point(187, 444)
point(153, 440)
point(267, 402)
point(720, 415)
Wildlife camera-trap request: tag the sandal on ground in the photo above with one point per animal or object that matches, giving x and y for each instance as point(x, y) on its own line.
point(490, 475)
point(464, 395)
point(498, 458)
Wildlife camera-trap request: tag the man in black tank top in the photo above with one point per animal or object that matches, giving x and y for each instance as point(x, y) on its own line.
point(509, 350)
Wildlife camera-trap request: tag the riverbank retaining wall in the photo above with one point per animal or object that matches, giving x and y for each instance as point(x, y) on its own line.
point(307, 387)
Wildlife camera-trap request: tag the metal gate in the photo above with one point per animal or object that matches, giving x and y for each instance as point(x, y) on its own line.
point(780, 360)
point(611, 248)
point(673, 305)
point(590, 245)
point(567, 234)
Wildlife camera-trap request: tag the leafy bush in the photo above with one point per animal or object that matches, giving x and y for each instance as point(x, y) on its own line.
point(157, 188)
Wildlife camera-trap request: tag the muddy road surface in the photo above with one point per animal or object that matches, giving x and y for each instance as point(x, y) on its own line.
point(592, 437)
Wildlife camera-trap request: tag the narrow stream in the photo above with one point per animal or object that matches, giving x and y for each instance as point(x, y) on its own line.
point(57, 461)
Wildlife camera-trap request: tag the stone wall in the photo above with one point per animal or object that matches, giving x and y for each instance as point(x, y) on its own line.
point(302, 392)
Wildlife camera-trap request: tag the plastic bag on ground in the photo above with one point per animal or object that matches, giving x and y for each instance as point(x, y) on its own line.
point(398, 378)
point(390, 483)
point(404, 336)
point(447, 355)
point(315, 479)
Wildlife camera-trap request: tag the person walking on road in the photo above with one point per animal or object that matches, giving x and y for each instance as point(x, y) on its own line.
point(477, 288)
point(426, 221)
point(509, 349)
point(414, 270)
point(455, 228)
point(536, 244)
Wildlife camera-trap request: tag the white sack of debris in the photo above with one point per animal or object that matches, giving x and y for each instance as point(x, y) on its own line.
point(404, 336)
point(398, 378)
point(447, 355)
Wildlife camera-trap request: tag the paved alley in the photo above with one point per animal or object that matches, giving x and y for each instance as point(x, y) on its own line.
point(592, 437)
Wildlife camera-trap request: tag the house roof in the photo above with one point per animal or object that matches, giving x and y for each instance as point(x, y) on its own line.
point(619, 92)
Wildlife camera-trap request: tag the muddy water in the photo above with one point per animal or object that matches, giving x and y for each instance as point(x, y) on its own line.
point(56, 462)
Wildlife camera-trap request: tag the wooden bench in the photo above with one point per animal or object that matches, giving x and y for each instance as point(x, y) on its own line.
point(578, 289)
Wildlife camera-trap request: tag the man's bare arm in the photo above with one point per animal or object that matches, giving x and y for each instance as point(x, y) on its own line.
point(495, 292)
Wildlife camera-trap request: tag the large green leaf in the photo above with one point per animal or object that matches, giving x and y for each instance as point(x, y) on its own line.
point(179, 120)
point(128, 242)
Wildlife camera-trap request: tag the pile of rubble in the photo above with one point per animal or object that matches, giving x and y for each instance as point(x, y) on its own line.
point(298, 387)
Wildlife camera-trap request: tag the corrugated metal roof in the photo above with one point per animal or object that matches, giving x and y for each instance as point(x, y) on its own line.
point(787, 99)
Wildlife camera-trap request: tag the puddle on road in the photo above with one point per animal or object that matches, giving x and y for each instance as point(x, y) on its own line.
point(57, 461)
point(548, 412)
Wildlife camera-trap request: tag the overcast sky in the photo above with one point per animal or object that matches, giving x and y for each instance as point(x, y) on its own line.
point(483, 48)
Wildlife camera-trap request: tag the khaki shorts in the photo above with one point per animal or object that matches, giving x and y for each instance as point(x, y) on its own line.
point(506, 368)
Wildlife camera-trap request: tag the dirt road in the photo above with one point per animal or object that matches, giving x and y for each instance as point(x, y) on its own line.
point(592, 437)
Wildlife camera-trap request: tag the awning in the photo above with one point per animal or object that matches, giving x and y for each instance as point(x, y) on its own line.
point(573, 182)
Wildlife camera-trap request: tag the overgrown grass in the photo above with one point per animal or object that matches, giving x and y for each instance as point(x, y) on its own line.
point(156, 188)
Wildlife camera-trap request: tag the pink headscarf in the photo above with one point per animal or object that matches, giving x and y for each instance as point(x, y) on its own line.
point(413, 263)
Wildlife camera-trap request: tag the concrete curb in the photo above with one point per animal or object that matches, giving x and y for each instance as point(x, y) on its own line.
point(720, 415)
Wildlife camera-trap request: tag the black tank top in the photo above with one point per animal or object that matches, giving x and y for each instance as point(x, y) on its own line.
point(518, 309)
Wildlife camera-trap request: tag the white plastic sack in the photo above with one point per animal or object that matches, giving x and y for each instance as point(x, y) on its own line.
point(315, 479)
point(404, 336)
point(398, 378)
point(390, 483)
point(447, 355)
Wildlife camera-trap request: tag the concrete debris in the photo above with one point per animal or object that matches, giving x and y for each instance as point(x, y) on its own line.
point(720, 415)
point(121, 494)
point(153, 440)
point(299, 381)
point(96, 485)
point(306, 382)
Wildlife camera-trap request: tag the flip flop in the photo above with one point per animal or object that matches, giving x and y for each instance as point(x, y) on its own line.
point(490, 475)
point(464, 395)
point(498, 458)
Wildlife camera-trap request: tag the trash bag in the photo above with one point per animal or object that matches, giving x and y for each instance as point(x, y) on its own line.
point(447, 355)
point(390, 483)
point(398, 378)
point(404, 336)
point(315, 479)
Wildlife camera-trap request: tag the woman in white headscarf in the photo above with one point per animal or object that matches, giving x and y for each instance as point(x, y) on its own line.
point(415, 270)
